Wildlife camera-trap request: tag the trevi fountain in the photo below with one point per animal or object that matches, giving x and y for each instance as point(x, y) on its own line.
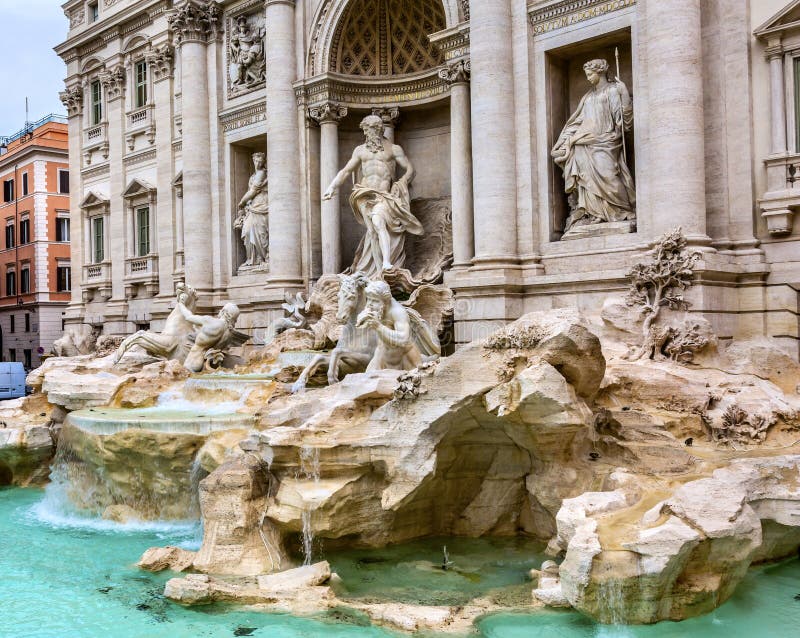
point(359, 468)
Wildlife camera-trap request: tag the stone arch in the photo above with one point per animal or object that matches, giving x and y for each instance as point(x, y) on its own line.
point(135, 42)
point(91, 64)
point(328, 18)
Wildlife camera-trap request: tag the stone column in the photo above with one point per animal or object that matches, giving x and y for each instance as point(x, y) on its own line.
point(493, 144)
point(777, 98)
point(72, 98)
point(457, 74)
point(328, 116)
point(160, 67)
point(283, 144)
point(194, 25)
point(389, 117)
point(676, 150)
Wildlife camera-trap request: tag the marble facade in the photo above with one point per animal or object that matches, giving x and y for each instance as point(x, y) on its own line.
point(169, 100)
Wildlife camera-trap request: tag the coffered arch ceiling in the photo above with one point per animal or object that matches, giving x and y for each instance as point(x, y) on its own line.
point(386, 37)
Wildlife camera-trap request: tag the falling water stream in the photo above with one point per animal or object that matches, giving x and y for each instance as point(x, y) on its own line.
point(309, 471)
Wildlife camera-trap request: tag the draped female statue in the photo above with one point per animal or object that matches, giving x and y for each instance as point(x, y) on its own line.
point(590, 149)
point(253, 218)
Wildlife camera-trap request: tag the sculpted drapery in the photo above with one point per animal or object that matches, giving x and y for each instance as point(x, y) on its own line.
point(590, 151)
point(379, 201)
point(253, 219)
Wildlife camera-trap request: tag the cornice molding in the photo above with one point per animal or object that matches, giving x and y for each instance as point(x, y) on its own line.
point(124, 21)
point(370, 92)
point(243, 116)
point(564, 13)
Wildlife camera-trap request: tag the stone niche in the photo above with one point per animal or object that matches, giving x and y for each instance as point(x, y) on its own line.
point(241, 168)
point(424, 134)
point(566, 85)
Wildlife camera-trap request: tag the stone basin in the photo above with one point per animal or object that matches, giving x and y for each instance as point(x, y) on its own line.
point(139, 463)
point(201, 421)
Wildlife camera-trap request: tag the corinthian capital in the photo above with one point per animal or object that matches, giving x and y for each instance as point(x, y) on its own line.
point(114, 82)
point(456, 72)
point(327, 112)
point(195, 21)
point(388, 115)
point(161, 62)
point(72, 99)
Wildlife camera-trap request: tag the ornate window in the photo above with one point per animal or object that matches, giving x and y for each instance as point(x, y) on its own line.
point(387, 37)
point(140, 83)
point(97, 103)
point(142, 231)
point(96, 210)
point(98, 240)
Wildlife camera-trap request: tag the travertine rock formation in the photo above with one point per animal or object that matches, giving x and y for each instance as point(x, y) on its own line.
point(147, 471)
point(455, 460)
point(26, 441)
point(683, 556)
point(536, 430)
point(236, 538)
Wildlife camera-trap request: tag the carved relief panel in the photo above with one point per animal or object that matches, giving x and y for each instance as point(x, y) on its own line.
point(244, 38)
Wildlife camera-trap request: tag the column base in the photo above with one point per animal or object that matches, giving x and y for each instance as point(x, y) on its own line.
point(482, 262)
point(700, 241)
point(285, 282)
point(487, 298)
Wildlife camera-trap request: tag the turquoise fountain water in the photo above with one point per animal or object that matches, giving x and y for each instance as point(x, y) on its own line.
point(65, 575)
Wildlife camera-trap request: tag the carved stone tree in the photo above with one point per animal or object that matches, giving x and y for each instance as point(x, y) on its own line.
point(660, 283)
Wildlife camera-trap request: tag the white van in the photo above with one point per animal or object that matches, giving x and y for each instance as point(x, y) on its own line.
point(12, 380)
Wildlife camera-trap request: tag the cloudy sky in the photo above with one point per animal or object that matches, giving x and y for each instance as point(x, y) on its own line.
point(31, 28)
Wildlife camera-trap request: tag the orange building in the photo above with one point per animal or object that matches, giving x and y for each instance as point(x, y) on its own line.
point(35, 275)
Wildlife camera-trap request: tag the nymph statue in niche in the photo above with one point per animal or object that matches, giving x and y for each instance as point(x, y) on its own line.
point(253, 216)
point(591, 151)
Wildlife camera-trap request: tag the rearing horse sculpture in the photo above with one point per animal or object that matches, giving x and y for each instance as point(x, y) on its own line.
point(356, 346)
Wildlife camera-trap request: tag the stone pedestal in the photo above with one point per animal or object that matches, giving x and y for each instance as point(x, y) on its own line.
point(597, 230)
